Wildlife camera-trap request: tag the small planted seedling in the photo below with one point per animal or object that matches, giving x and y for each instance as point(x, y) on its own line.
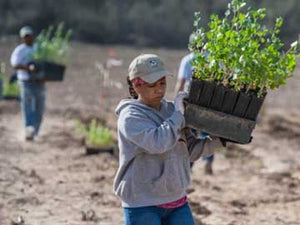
point(8, 90)
point(97, 138)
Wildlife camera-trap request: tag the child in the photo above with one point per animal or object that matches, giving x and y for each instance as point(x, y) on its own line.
point(155, 151)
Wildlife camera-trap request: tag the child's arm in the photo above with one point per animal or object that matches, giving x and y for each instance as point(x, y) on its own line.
point(153, 139)
point(200, 144)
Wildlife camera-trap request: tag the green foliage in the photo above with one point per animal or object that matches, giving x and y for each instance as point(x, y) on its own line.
point(95, 134)
point(53, 45)
point(133, 21)
point(7, 88)
point(242, 53)
point(11, 89)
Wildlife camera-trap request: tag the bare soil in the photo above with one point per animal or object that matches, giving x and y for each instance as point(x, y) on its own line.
point(52, 180)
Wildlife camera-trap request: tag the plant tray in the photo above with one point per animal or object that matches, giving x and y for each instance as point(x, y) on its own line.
point(49, 71)
point(216, 97)
point(218, 123)
point(90, 150)
point(10, 97)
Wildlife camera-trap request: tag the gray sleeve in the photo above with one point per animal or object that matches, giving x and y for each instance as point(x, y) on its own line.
point(146, 134)
point(196, 147)
point(201, 147)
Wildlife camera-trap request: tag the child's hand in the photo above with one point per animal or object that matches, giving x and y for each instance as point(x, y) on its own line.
point(178, 102)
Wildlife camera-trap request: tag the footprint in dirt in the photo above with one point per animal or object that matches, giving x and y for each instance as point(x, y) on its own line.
point(239, 207)
point(198, 209)
point(285, 126)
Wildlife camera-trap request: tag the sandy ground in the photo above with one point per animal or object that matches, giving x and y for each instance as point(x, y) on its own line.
point(52, 180)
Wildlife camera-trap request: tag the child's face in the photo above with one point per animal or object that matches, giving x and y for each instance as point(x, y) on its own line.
point(152, 93)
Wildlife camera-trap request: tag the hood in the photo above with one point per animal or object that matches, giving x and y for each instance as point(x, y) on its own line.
point(133, 103)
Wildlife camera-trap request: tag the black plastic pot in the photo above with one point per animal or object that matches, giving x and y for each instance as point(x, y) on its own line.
point(218, 97)
point(254, 107)
point(11, 97)
point(230, 98)
point(241, 105)
point(49, 71)
point(206, 93)
point(90, 150)
point(218, 123)
point(195, 91)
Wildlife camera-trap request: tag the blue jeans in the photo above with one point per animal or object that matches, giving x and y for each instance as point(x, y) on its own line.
point(209, 159)
point(153, 215)
point(32, 103)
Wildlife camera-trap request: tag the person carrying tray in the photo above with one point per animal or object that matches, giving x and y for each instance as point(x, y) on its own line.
point(155, 149)
point(32, 90)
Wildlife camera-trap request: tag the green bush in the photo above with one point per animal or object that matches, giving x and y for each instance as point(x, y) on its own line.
point(53, 45)
point(95, 134)
point(11, 89)
point(242, 53)
point(7, 88)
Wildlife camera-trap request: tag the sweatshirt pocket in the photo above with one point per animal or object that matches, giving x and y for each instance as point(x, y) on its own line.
point(124, 189)
point(175, 178)
point(170, 177)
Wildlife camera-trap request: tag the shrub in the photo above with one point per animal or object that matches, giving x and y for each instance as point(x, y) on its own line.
point(243, 54)
point(53, 45)
point(7, 88)
point(95, 134)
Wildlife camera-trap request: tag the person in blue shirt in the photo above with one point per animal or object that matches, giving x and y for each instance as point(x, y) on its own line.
point(184, 79)
point(185, 72)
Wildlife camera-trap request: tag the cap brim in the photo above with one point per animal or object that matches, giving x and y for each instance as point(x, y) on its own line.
point(153, 77)
point(26, 34)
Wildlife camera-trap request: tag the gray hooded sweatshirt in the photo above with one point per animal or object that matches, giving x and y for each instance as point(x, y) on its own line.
point(154, 160)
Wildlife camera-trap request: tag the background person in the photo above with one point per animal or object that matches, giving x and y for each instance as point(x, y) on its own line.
point(32, 90)
point(184, 79)
point(155, 149)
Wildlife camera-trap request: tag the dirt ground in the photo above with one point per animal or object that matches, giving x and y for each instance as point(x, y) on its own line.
point(52, 180)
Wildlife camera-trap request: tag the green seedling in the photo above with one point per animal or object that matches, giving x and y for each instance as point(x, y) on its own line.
point(242, 53)
point(53, 45)
point(8, 89)
point(95, 134)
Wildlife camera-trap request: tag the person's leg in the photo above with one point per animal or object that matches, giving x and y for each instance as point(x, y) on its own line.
point(143, 215)
point(208, 165)
point(28, 108)
point(1, 88)
point(191, 165)
point(179, 216)
point(40, 106)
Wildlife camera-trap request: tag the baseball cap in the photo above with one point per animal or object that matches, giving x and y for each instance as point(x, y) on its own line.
point(148, 67)
point(25, 31)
